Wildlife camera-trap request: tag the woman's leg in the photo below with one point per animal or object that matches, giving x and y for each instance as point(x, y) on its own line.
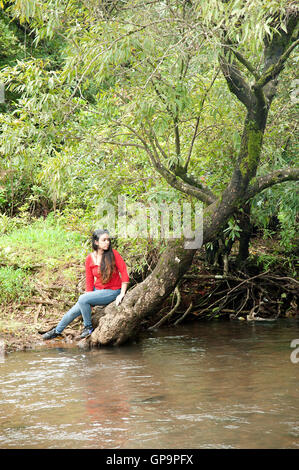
point(83, 307)
point(91, 299)
point(68, 317)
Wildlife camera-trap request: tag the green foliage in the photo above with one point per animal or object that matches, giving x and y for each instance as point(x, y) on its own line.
point(30, 248)
point(10, 46)
point(8, 224)
point(8, 40)
point(45, 242)
point(276, 260)
point(232, 231)
point(15, 284)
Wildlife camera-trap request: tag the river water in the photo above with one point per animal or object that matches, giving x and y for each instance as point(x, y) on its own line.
point(202, 385)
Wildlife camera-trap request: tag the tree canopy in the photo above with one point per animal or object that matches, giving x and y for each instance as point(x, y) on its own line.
point(148, 79)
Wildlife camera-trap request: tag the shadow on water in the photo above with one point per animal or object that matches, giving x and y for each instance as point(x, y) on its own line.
point(204, 385)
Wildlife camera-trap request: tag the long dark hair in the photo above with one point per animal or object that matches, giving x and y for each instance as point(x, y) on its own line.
point(107, 266)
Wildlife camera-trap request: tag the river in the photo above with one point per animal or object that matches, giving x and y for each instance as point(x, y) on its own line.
point(215, 384)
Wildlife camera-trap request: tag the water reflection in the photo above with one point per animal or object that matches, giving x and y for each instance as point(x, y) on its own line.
point(208, 385)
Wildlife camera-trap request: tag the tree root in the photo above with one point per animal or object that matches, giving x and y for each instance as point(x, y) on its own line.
point(185, 314)
point(264, 296)
point(169, 314)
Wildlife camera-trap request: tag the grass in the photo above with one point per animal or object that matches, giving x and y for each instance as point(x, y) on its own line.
point(31, 251)
point(41, 263)
point(15, 284)
point(44, 242)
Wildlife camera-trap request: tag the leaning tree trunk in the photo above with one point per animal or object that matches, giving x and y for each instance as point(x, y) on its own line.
point(119, 324)
point(122, 323)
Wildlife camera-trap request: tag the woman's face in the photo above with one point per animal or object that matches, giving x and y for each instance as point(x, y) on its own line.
point(104, 241)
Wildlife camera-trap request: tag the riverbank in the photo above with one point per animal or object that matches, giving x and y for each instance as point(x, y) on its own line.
point(41, 271)
point(42, 274)
point(23, 322)
point(201, 296)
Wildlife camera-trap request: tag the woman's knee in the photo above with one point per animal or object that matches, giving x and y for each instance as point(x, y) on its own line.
point(82, 299)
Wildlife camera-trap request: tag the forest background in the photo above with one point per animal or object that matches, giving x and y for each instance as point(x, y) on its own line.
point(141, 99)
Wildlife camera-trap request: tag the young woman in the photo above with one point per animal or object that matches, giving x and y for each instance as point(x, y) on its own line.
point(106, 280)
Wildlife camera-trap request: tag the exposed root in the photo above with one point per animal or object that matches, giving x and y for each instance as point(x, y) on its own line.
point(169, 314)
point(263, 296)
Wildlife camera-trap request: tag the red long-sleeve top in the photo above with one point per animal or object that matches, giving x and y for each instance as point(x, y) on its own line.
point(93, 278)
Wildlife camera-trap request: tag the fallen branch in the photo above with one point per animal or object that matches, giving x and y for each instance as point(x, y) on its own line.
point(283, 278)
point(218, 277)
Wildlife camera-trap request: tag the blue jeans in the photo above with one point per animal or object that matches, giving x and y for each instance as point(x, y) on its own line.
point(83, 307)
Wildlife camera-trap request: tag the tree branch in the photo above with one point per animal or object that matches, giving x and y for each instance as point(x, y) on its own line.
point(276, 177)
point(275, 69)
point(198, 118)
point(171, 178)
point(242, 59)
point(181, 173)
point(123, 144)
point(246, 63)
point(276, 52)
point(177, 137)
point(191, 187)
point(192, 141)
point(236, 83)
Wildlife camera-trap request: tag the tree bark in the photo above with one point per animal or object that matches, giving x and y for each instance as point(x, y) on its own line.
point(246, 233)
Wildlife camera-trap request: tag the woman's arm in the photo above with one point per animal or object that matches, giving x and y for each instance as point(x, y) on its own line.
point(124, 286)
point(89, 279)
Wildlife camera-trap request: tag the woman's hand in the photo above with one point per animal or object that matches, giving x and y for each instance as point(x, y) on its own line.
point(119, 298)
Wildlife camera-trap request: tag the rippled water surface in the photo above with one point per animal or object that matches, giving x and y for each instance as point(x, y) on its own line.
point(205, 385)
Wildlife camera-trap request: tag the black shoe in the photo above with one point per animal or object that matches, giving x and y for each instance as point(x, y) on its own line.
point(51, 334)
point(86, 332)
